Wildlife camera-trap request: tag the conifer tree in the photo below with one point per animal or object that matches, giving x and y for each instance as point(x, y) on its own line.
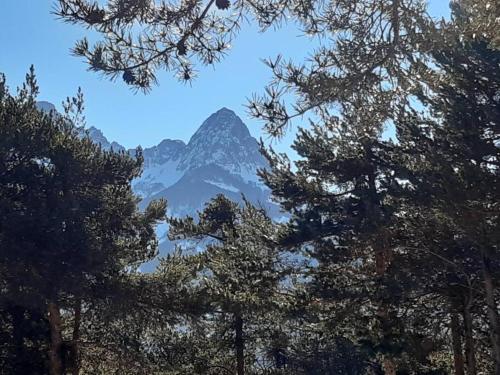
point(240, 270)
point(371, 42)
point(69, 223)
point(484, 22)
point(453, 156)
point(338, 198)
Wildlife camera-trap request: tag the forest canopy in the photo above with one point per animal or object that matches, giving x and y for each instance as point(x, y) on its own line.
point(388, 262)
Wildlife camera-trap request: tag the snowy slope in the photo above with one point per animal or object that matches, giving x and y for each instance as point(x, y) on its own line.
point(220, 158)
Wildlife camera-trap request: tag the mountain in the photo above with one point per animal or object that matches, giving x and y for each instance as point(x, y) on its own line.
point(45, 106)
point(224, 140)
point(97, 136)
point(220, 158)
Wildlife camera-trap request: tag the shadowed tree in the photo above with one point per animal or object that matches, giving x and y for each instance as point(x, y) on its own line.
point(452, 151)
point(240, 271)
point(70, 227)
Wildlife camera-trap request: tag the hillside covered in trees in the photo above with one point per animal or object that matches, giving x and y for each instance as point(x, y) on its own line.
point(388, 262)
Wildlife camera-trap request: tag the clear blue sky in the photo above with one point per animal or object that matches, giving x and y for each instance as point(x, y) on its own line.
point(30, 34)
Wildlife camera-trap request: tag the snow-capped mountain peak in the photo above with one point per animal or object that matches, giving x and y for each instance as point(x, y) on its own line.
point(223, 139)
point(98, 137)
point(167, 150)
point(220, 158)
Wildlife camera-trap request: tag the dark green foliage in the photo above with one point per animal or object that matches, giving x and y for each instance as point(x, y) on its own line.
point(332, 356)
point(23, 340)
point(239, 273)
point(389, 263)
point(452, 157)
point(69, 223)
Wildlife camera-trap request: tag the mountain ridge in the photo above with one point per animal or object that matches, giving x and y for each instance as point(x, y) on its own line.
point(222, 140)
point(221, 157)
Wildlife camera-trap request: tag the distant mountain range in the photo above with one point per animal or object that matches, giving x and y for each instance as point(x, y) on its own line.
point(220, 158)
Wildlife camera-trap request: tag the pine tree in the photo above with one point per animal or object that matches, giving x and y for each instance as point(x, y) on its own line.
point(371, 40)
point(69, 223)
point(483, 21)
point(454, 156)
point(339, 201)
point(240, 271)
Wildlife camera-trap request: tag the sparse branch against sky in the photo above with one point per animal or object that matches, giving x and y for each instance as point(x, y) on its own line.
point(32, 35)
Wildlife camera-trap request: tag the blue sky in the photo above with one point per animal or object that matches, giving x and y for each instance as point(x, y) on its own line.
point(30, 34)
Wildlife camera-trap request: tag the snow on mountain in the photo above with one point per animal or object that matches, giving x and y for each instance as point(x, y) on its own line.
point(160, 167)
point(220, 158)
point(167, 150)
point(224, 140)
point(222, 150)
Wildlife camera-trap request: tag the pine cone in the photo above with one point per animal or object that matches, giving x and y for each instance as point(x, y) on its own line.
point(222, 4)
point(129, 77)
point(181, 47)
point(96, 15)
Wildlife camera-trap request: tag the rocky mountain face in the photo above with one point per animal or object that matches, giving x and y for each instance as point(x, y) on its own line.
point(224, 140)
point(45, 106)
point(220, 158)
point(97, 136)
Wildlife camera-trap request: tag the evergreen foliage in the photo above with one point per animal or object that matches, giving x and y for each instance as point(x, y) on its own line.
point(70, 229)
point(389, 262)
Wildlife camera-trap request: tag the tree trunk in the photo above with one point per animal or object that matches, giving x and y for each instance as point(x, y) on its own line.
point(381, 245)
point(76, 339)
point(382, 262)
point(493, 316)
point(470, 349)
point(389, 366)
point(56, 342)
point(458, 357)
point(239, 345)
point(18, 336)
